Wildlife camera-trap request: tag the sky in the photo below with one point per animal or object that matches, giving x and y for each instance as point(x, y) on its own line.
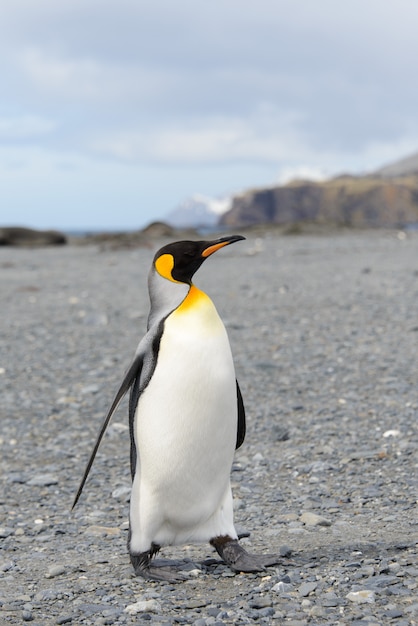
point(112, 113)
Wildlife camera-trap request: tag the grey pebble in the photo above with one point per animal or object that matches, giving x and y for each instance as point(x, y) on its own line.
point(307, 588)
point(27, 616)
point(46, 595)
point(195, 603)
point(5, 566)
point(17, 477)
point(261, 602)
point(43, 480)
point(121, 492)
point(285, 551)
point(331, 600)
point(55, 570)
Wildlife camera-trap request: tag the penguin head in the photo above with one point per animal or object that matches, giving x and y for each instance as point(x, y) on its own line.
point(178, 261)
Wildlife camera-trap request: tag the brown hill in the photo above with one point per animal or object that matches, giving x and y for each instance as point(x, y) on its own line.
point(369, 201)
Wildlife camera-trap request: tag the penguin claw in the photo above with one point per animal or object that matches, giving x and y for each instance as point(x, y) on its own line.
point(239, 560)
point(270, 559)
point(143, 568)
point(160, 574)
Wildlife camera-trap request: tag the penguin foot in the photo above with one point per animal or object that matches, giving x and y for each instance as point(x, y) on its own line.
point(238, 559)
point(142, 566)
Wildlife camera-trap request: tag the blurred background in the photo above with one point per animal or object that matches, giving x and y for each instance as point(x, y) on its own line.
point(114, 115)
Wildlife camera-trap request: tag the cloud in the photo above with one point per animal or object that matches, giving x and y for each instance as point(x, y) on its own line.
point(16, 128)
point(62, 76)
point(144, 72)
point(265, 135)
point(211, 95)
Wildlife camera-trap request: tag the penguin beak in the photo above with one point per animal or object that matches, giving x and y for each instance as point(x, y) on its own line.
point(213, 246)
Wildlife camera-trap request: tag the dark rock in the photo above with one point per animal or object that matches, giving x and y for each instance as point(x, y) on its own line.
point(261, 603)
point(19, 236)
point(135, 238)
point(64, 619)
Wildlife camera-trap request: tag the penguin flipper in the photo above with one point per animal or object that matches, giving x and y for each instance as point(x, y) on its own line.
point(130, 377)
point(241, 419)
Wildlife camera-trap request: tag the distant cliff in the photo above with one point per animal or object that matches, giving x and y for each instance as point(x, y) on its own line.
point(378, 200)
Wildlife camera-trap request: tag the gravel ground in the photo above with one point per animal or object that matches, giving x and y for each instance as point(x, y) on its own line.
point(324, 332)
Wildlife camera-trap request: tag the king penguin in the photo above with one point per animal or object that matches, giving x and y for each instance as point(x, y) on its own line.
point(186, 418)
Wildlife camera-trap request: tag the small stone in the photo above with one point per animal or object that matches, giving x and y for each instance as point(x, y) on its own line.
point(213, 611)
point(25, 598)
point(266, 612)
point(121, 492)
point(367, 570)
point(281, 587)
point(306, 588)
point(5, 566)
point(27, 616)
point(261, 603)
point(102, 530)
point(331, 600)
point(391, 433)
point(43, 480)
point(394, 567)
point(312, 519)
point(5, 531)
point(285, 551)
point(193, 573)
point(361, 597)
point(198, 603)
point(17, 477)
point(94, 319)
point(64, 619)
point(55, 570)
point(394, 613)
point(143, 606)
point(280, 433)
point(381, 580)
point(89, 389)
point(45, 595)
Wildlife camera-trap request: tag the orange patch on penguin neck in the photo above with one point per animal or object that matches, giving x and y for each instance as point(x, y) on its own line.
point(164, 266)
point(193, 298)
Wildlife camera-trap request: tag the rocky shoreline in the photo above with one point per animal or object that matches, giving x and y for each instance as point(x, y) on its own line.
point(325, 338)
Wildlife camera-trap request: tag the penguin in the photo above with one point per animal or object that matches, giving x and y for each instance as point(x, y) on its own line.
point(186, 419)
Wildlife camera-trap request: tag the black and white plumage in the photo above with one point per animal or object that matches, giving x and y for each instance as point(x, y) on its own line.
point(186, 418)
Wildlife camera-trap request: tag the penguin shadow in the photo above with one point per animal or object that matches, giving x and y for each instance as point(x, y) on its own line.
point(210, 566)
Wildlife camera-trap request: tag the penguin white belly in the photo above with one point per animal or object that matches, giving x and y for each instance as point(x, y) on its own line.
point(185, 433)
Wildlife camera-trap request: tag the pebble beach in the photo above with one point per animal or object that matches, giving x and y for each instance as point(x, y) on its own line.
point(324, 333)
